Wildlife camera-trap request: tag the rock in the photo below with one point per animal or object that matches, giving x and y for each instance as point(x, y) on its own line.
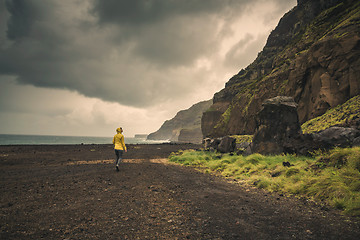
point(338, 137)
point(215, 143)
point(302, 144)
point(329, 138)
point(277, 122)
point(356, 142)
point(211, 144)
point(243, 145)
point(287, 164)
point(243, 148)
point(227, 145)
point(206, 142)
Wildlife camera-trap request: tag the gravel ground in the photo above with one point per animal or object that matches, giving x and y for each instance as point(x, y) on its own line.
point(74, 192)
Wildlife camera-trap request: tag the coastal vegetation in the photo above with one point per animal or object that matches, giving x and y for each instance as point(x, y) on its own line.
point(341, 115)
point(331, 178)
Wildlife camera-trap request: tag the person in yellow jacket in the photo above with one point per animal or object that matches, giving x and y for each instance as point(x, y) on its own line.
point(119, 146)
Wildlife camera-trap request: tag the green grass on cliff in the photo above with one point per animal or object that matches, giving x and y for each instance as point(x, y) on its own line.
point(224, 118)
point(242, 138)
point(338, 116)
point(332, 177)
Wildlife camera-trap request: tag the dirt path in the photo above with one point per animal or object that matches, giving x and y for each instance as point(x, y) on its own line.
point(74, 192)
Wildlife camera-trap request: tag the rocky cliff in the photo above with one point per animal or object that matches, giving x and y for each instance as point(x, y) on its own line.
point(189, 120)
point(312, 56)
point(193, 135)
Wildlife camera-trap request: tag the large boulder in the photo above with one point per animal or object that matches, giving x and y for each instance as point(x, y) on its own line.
point(277, 122)
point(227, 144)
point(211, 143)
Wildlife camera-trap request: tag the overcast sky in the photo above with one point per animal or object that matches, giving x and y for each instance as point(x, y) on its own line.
point(86, 67)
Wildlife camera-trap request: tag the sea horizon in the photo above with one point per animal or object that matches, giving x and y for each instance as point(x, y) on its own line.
point(29, 139)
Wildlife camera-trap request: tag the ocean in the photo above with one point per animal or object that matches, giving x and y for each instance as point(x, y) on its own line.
point(12, 139)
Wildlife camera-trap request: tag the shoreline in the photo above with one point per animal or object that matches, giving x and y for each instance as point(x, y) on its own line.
point(64, 152)
point(16, 139)
point(83, 144)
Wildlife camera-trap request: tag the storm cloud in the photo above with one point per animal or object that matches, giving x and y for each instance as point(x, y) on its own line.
point(85, 61)
point(137, 53)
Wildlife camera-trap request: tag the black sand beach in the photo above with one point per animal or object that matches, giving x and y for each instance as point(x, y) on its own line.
point(74, 192)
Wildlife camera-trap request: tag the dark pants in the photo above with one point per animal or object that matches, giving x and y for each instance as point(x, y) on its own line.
point(119, 154)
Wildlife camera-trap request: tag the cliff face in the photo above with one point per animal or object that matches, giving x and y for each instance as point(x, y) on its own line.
point(312, 56)
point(190, 135)
point(189, 119)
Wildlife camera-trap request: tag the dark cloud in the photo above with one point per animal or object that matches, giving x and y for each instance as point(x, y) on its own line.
point(137, 53)
point(167, 32)
point(23, 14)
point(147, 12)
point(22, 17)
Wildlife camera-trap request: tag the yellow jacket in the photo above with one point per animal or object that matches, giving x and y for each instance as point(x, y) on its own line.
point(118, 141)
